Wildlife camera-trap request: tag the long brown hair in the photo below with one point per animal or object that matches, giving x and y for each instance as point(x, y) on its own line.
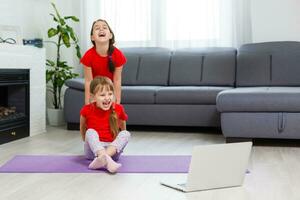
point(103, 83)
point(111, 65)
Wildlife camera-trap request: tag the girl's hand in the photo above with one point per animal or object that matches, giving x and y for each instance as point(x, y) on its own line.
point(122, 124)
point(83, 137)
point(88, 77)
point(117, 80)
point(82, 127)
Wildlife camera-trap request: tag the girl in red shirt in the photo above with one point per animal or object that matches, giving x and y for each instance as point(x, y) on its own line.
point(103, 126)
point(103, 59)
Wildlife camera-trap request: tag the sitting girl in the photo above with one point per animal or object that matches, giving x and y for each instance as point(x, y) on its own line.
point(103, 126)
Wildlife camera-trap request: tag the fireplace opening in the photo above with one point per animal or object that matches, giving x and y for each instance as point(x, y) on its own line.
point(14, 104)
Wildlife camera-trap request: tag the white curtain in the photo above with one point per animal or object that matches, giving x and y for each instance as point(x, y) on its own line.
point(171, 23)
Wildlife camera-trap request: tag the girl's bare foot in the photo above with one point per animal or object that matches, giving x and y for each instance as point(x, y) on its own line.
point(98, 162)
point(112, 166)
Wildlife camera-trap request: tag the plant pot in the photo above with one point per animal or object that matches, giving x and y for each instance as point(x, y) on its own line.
point(55, 117)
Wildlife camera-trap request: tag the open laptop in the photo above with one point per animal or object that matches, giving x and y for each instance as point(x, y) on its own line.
point(215, 166)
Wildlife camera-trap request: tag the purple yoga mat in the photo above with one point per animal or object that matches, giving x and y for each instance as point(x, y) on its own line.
point(79, 164)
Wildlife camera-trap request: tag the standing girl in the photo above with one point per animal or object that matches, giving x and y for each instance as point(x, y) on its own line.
point(103, 126)
point(103, 59)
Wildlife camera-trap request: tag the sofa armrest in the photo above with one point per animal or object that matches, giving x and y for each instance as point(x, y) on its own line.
point(75, 83)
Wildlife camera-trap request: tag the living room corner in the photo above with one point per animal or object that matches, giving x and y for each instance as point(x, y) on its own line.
point(208, 102)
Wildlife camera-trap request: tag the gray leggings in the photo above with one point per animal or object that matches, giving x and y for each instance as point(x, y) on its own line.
point(92, 143)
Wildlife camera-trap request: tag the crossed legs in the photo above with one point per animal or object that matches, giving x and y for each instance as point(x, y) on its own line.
point(104, 155)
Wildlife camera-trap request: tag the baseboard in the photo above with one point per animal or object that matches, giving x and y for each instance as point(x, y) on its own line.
point(237, 139)
point(73, 126)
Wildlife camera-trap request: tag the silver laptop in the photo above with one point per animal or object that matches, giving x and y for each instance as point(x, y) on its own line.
point(215, 166)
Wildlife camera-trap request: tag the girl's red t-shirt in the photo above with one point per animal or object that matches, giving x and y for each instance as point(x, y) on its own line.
point(98, 119)
point(99, 64)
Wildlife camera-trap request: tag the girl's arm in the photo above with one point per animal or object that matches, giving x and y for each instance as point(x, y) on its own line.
point(117, 83)
point(88, 77)
point(82, 127)
point(122, 125)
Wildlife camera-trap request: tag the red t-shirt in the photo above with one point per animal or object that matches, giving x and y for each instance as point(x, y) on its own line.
point(98, 119)
point(99, 64)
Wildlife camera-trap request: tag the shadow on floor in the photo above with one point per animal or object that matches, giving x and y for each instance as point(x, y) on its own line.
point(176, 129)
point(267, 141)
point(277, 142)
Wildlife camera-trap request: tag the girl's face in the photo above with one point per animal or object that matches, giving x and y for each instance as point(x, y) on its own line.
point(101, 32)
point(104, 98)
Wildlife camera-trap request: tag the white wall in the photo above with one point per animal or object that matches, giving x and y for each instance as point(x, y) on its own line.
point(275, 20)
point(32, 16)
point(20, 13)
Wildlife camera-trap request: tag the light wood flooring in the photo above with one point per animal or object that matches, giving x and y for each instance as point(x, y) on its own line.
point(274, 170)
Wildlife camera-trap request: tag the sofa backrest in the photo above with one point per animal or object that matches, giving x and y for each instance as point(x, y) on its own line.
point(269, 64)
point(146, 66)
point(190, 66)
point(203, 66)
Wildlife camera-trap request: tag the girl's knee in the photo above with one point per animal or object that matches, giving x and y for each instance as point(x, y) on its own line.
point(91, 133)
point(90, 130)
point(125, 134)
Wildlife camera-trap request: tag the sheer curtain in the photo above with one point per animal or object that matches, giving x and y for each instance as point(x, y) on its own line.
point(171, 23)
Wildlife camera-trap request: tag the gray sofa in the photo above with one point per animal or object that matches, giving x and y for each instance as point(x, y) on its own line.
point(166, 88)
point(266, 100)
point(251, 93)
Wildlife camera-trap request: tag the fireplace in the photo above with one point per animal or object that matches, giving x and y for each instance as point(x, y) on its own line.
point(14, 104)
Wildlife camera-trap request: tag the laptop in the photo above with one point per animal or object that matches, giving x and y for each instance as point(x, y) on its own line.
point(215, 166)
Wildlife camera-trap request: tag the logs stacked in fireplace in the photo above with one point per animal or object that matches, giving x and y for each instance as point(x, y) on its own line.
point(7, 111)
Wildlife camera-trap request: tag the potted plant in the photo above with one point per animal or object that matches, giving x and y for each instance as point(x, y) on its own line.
point(58, 71)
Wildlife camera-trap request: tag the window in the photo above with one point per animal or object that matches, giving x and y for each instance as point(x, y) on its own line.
point(192, 20)
point(130, 18)
point(175, 23)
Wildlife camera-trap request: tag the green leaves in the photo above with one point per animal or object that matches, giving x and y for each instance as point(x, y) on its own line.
point(71, 32)
point(63, 30)
point(57, 75)
point(50, 63)
point(60, 20)
point(75, 19)
point(58, 71)
point(52, 32)
point(54, 18)
point(66, 39)
point(78, 52)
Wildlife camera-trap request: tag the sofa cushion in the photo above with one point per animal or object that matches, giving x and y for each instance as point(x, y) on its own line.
point(75, 83)
point(203, 66)
point(129, 73)
point(286, 68)
point(139, 94)
point(188, 95)
point(253, 69)
point(271, 63)
point(146, 66)
point(153, 69)
point(259, 99)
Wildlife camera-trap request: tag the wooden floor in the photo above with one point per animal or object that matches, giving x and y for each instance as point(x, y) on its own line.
point(274, 170)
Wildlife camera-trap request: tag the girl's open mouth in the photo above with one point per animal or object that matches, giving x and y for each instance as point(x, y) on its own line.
point(102, 35)
point(106, 104)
